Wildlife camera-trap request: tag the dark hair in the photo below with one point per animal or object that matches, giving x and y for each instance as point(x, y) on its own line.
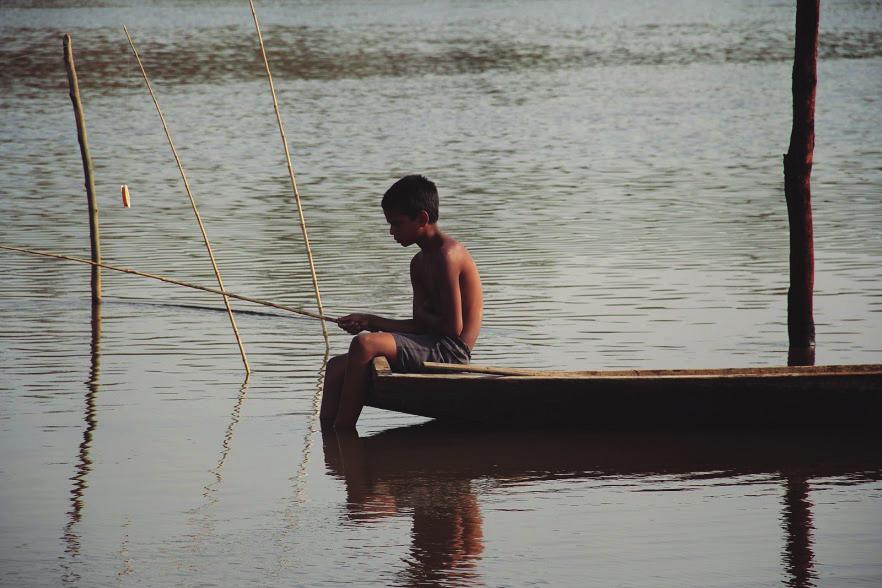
point(412, 194)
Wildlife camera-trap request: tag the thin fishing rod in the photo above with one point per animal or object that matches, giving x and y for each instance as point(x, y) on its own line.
point(168, 280)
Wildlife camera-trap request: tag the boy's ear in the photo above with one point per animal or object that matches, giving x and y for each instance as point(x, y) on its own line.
point(423, 218)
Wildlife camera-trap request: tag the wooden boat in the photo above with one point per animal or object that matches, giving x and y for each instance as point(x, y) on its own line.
point(789, 397)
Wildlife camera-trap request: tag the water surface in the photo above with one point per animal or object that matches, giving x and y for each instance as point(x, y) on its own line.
point(615, 169)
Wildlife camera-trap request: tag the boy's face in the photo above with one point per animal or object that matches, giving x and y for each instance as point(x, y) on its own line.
point(404, 229)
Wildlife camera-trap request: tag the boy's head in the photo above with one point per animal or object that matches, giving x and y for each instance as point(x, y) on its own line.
point(411, 195)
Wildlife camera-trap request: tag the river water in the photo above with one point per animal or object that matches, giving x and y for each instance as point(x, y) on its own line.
point(615, 169)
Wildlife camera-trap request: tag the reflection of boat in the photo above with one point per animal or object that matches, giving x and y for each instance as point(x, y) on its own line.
point(429, 471)
point(436, 450)
point(828, 396)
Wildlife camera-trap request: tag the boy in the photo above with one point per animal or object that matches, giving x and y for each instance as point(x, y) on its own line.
point(447, 306)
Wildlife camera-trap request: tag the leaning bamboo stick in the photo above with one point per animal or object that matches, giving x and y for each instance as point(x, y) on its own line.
point(269, 77)
point(94, 235)
point(168, 280)
point(171, 144)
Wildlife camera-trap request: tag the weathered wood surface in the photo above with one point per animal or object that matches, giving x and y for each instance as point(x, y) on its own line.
point(808, 396)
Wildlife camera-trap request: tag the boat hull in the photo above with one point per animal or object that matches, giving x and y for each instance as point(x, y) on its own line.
point(829, 396)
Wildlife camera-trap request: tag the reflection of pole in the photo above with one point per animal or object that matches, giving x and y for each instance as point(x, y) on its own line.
point(228, 439)
point(84, 461)
point(798, 556)
point(311, 428)
point(207, 524)
point(94, 236)
point(797, 186)
point(298, 479)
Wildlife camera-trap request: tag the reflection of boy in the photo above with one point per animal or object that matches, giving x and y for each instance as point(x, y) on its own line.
point(447, 306)
point(447, 533)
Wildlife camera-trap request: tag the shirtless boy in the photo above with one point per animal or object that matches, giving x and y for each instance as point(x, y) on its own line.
point(447, 306)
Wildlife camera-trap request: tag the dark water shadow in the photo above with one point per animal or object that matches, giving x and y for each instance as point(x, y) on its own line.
point(429, 470)
point(203, 307)
point(84, 461)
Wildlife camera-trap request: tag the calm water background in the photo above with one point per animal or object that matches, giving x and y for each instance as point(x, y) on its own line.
point(615, 168)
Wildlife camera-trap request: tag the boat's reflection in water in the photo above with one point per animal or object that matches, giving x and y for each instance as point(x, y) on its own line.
point(428, 470)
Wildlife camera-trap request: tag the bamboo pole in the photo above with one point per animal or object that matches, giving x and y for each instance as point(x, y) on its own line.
point(171, 144)
point(94, 233)
point(291, 175)
point(168, 280)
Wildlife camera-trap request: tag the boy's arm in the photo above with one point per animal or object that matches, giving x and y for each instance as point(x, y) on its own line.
point(355, 323)
point(421, 321)
point(448, 320)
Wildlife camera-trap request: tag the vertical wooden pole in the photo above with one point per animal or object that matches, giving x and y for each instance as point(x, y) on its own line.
point(797, 186)
point(291, 175)
point(94, 234)
point(171, 144)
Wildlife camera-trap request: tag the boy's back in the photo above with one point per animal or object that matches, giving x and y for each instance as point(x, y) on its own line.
point(447, 287)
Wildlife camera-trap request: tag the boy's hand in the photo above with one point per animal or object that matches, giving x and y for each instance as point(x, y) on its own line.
point(354, 323)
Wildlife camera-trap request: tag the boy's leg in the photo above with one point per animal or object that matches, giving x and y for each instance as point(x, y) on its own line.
point(332, 388)
point(363, 349)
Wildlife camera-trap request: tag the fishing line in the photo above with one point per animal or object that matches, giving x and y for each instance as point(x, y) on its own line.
point(168, 280)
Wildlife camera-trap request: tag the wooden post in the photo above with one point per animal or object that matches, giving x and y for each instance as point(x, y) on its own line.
point(94, 234)
point(797, 186)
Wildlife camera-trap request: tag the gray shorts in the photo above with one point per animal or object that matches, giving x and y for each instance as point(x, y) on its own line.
point(413, 350)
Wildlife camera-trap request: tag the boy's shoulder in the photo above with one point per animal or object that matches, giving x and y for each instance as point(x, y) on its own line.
point(449, 247)
point(450, 250)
